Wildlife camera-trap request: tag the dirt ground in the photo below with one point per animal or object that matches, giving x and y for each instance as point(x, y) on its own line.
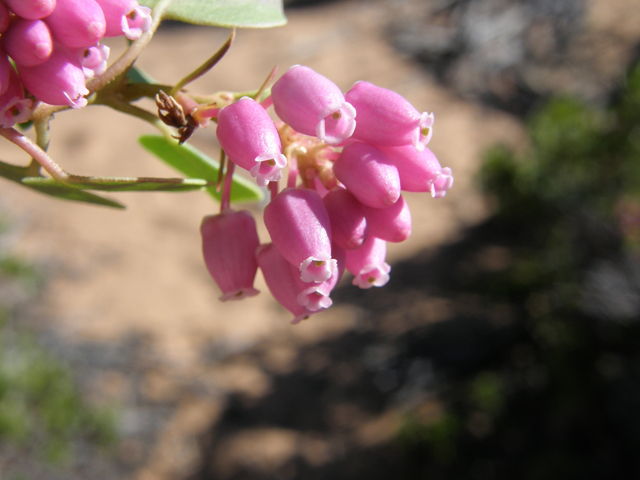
point(118, 274)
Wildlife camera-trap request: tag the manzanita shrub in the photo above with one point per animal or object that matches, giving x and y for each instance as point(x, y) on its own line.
point(334, 164)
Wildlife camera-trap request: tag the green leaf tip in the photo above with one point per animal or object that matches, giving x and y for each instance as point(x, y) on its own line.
point(193, 163)
point(225, 13)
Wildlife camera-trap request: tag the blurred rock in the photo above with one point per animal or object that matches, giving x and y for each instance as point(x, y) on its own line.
point(512, 53)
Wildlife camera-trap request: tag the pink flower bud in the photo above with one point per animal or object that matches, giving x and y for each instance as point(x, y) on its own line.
point(250, 139)
point(93, 60)
point(368, 265)
point(392, 224)
point(31, 9)
point(77, 24)
point(14, 108)
point(5, 17)
point(229, 242)
point(420, 171)
point(348, 223)
point(125, 17)
point(300, 229)
point(58, 81)
point(387, 119)
point(314, 105)
point(282, 280)
point(28, 42)
point(368, 174)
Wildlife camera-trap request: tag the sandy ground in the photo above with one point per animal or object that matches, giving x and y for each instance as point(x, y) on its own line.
point(140, 270)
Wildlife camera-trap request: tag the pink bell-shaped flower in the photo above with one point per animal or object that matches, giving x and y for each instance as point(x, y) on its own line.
point(442, 183)
point(31, 9)
point(93, 60)
point(282, 280)
point(420, 171)
point(58, 81)
point(77, 24)
point(385, 118)
point(392, 224)
point(313, 105)
point(229, 242)
point(5, 17)
point(300, 229)
point(367, 263)
point(250, 139)
point(368, 174)
point(125, 17)
point(348, 222)
point(14, 108)
point(315, 296)
point(28, 42)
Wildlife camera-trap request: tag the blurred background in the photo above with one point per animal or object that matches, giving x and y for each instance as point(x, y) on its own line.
point(506, 345)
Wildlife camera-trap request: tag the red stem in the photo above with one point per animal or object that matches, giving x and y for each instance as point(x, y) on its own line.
point(226, 187)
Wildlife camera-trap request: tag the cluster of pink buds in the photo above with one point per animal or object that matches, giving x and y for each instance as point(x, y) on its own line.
point(349, 158)
point(55, 46)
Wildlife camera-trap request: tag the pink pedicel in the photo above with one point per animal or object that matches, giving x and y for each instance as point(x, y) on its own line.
point(93, 60)
point(229, 242)
point(125, 17)
point(385, 118)
point(420, 171)
point(348, 223)
point(31, 9)
point(392, 224)
point(367, 264)
point(5, 17)
point(5, 71)
point(313, 105)
point(58, 81)
point(28, 42)
point(282, 280)
point(300, 229)
point(14, 108)
point(77, 24)
point(250, 139)
point(368, 174)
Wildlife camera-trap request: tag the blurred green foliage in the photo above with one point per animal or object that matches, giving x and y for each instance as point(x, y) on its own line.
point(561, 400)
point(41, 409)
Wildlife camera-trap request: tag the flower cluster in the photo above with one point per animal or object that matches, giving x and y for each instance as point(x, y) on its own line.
point(55, 47)
point(353, 154)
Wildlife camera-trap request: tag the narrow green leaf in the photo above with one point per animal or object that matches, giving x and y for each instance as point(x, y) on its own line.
point(125, 184)
point(17, 174)
point(225, 13)
point(65, 192)
point(194, 164)
point(135, 75)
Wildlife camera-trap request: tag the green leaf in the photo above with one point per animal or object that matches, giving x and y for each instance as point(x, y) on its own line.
point(124, 184)
point(136, 75)
point(17, 174)
point(195, 164)
point(225, 13)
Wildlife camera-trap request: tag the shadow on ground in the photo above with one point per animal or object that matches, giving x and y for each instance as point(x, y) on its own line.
point(513, 353)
